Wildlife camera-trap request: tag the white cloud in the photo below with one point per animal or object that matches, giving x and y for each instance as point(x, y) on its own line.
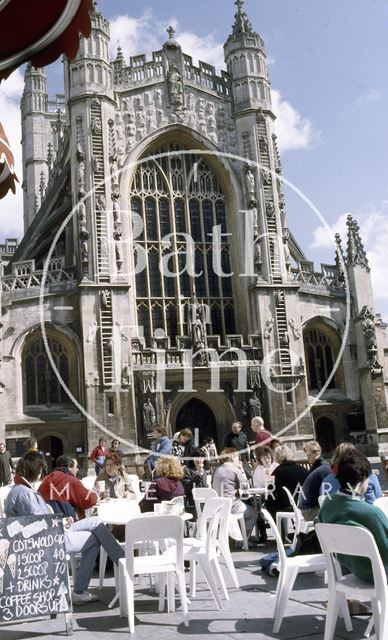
point(145, 34)
point(134, 35)
point(203, 48)
point(294, 132)
point(373, 224)
point(373, 95)
point(11, 206)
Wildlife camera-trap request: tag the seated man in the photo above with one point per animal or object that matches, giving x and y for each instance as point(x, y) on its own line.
point(62, 486)
point(229, 482)
point(309, 493)
point(348, 507)
point(84, 537)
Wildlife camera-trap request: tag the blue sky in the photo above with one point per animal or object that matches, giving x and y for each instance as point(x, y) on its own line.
point(327, 63)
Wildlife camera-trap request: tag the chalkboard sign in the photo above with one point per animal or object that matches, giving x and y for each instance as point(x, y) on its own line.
point(34, 579)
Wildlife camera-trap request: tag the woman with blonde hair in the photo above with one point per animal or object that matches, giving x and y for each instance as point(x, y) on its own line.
point(168, 485)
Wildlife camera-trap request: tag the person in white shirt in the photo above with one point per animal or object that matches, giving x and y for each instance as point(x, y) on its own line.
point(264, 470)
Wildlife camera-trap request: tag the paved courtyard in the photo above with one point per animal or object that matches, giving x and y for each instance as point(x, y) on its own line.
point(247, 615)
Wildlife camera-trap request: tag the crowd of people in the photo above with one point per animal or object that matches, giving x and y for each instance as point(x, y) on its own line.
point(175, 466)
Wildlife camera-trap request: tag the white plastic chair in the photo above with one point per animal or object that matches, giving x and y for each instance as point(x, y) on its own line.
point(300, 524)
point(153, 529)
point(204, 552)
point(354, 541)
point(223, 536)
point(201, 494)
point(114, 512)
point(289, 568)
point(382, 503)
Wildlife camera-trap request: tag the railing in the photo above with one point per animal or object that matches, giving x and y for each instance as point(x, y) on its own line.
point(140, 71)
point(34, 279)
point(328, 278)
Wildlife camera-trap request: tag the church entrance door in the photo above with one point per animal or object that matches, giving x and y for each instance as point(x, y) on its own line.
point(197, 415)
point(52, 448)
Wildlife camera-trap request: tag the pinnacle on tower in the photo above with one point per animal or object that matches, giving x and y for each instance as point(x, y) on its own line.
point(242, 25)
point(356, 255)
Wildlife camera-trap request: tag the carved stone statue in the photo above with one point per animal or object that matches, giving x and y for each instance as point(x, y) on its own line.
point(254, 406)
point(286, 248)
point(198, 325)
point(175, 87)
point(149, 415)
point(250, 181)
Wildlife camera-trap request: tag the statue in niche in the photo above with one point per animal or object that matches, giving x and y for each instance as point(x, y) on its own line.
point(125, 376)
point(287, 255)
point(257, 255)
point(279, 298)
point(211, 122)
point(254, 405)
point(197, 323)
point(229, 392)
point(96, 125)
point(250, 182)
point(149, 415)
point(269, 209)
point(268, 328)
point(83, 233)
point(81, 171)
point(100, 202)
point(175, 87)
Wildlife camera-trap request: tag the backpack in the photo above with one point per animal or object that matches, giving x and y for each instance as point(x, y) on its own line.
point(307, 543)
point(269, 561)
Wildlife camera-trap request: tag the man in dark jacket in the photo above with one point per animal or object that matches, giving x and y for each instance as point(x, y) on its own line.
point(6, 466)
point(313, 453)
point(236, 439)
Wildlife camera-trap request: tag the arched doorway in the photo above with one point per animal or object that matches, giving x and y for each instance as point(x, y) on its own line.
point(52, 448)
point(325, 433)
point(197, 415)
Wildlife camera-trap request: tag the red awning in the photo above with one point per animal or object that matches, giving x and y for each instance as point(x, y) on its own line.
point(40, 30)
point(7, 174)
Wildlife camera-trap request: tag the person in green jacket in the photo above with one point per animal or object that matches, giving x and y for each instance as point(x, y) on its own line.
point(348, 507)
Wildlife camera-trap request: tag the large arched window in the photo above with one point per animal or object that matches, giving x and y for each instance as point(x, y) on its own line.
point(177, 196)
point(41, 385)
point(321, 345)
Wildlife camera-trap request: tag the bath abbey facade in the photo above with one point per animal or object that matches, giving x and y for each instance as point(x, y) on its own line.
point(158, 281)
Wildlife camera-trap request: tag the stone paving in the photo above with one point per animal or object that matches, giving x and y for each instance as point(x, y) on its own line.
point(247, 615)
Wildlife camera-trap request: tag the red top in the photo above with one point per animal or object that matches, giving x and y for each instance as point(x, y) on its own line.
point(264, 438)
point(63, 486)
point(99, 451)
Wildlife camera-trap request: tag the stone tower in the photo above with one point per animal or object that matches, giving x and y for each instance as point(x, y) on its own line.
point(34, 140)
point(369, 357)
point(273, 300)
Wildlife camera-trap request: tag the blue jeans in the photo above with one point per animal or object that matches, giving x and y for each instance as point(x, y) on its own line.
point(85, 537)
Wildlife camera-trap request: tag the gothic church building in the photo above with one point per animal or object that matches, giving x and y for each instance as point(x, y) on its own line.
point(158, 281)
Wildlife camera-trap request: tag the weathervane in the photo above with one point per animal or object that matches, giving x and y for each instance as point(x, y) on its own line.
point(239, 4)
point(171, 32)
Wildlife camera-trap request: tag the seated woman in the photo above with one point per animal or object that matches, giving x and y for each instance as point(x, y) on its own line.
point(264, 470)
point(331, 483)
point(84, 536)
point(168, 484)
point(230, 482)
point(117, 482)
point(287, 474)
